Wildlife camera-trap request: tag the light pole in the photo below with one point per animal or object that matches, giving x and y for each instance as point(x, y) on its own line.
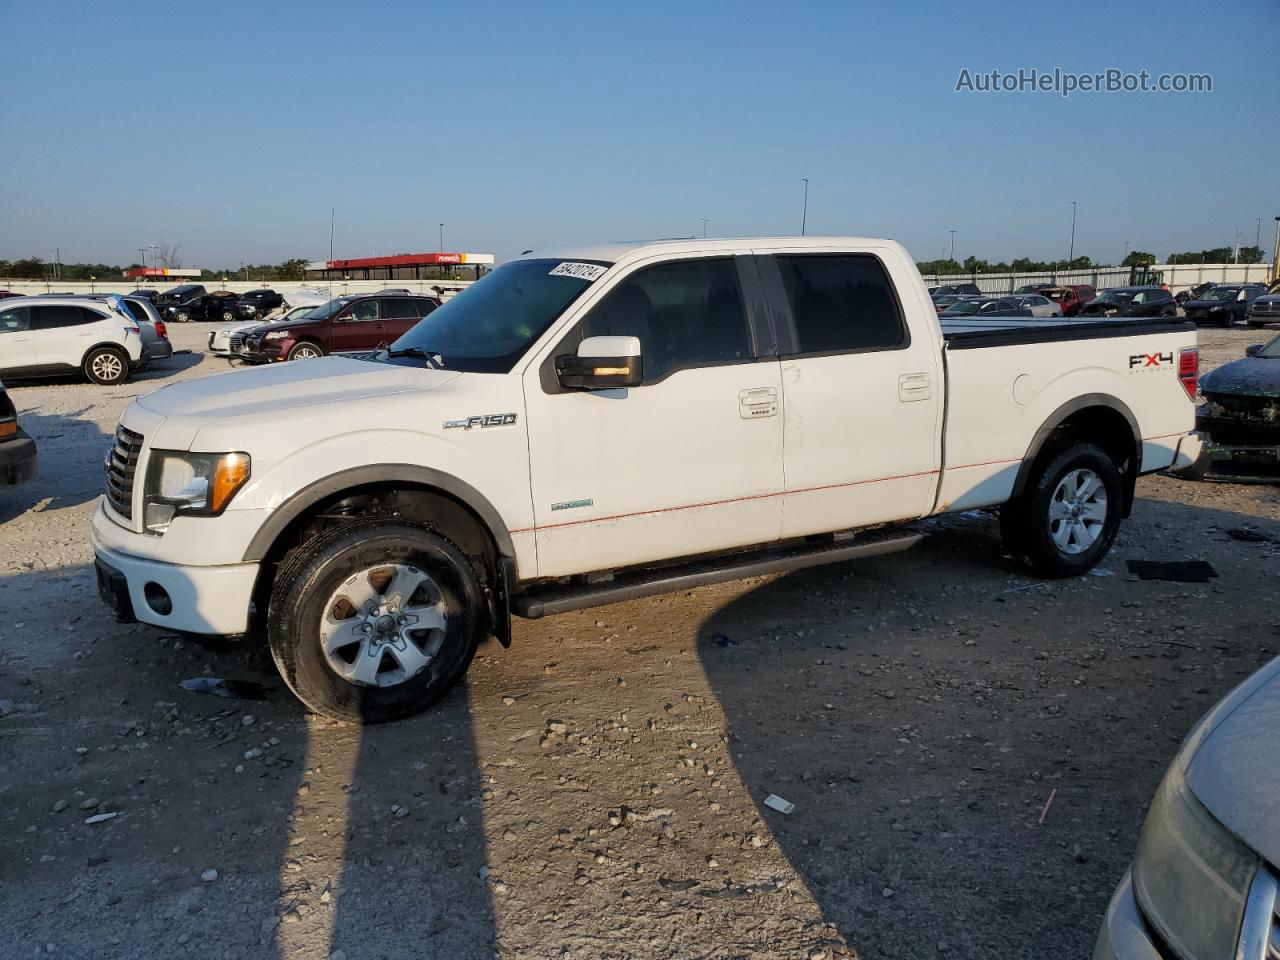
point(1126, 253)
point(442, 238)
point(705, 221)
point(952, 255)
point(1071, 251)
point(1275, 265)
point(804, 212)
point(143, 251)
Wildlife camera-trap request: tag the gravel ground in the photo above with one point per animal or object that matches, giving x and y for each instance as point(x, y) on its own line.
point(598, 790)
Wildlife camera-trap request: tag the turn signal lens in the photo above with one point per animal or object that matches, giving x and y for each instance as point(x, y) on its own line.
point(8, 428)
point(229, 476)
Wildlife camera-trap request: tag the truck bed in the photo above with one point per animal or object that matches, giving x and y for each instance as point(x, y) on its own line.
point(972, 333)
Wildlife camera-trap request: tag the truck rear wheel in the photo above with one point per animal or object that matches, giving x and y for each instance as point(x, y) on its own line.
point(374, 620)
point(1068, 517)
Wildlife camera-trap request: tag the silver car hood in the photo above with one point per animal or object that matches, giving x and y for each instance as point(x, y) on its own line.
point(1235, 769)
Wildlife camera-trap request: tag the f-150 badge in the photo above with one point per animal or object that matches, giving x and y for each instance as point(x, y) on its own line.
point(488, 420)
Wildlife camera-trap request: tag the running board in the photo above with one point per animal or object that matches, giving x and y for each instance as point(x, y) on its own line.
point(561, 598)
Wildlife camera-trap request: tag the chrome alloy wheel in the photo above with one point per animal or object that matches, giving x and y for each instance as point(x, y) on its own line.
point(107, 367)
point(1078, 511)
point(384, 625)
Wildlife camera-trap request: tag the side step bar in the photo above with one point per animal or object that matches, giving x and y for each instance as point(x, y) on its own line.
point(561, 598)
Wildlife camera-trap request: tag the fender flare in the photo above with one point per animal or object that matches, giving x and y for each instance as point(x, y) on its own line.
point(280, 518)
point(1059, 416)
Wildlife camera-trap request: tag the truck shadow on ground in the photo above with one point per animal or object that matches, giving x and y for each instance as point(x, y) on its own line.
point(243, 826)
point(66, 478)
point(919, 781)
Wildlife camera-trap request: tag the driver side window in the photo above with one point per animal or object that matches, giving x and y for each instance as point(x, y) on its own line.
point(15, 320)
point(365, 309)
point(686, 313)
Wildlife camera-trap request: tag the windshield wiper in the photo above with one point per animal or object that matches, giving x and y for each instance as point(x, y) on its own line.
point(433, 360)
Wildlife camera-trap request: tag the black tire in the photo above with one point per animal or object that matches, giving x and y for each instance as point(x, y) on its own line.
point(182, 316)
point(305, 350)
point(106, 366)
point(1026, 525)
point(308, 580)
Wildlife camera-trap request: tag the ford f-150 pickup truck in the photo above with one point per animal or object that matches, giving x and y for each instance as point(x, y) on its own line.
point(590, 425)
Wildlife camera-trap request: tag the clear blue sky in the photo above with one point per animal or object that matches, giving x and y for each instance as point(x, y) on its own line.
point(232, 128)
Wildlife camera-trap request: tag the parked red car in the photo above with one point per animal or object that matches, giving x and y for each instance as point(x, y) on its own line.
point(354, 324)
point(1071, 296)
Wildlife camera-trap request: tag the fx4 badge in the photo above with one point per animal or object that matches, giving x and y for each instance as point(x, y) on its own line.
point(1144, 360)
point(488, 420)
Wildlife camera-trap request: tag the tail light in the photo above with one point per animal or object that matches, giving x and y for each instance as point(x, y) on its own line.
point(161, 330)
point(1189, 371)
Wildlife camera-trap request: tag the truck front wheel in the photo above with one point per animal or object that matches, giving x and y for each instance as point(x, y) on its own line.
point(374, 620)
point(1068, 516)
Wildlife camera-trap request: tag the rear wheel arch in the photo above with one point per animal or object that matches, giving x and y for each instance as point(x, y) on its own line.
point(1096, 418)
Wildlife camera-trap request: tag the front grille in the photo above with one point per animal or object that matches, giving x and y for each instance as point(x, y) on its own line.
point(122, 464)
point(237, 342)
point(1266, 308)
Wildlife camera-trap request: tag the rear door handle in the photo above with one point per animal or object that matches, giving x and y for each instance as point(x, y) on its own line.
point(914, 386)
point(757, 402)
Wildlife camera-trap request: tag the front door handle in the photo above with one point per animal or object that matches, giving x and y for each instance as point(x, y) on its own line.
point(914, 386)
point(757, 402)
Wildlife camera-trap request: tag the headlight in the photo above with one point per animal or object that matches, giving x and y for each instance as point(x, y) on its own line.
point(276, 335)
point(1191, 875)
point(196, 484)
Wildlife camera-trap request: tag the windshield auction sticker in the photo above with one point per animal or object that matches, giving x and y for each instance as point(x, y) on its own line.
point(583, 271)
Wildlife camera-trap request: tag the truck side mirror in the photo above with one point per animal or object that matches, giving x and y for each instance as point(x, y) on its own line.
point(1252, 349)
point(602, 363)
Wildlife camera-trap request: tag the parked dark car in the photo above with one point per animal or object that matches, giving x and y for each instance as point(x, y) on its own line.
point(944, 300)
point(218, 305)
point(1224, 304)
point(4, 294)
point(1192, 293)
point(17, 450)
point(1131, 302)
point(354, 324)
point(969, 289)
point(1264, 309)
point(990, 307)
point(1241, 416)
point(1035, 287)
point(149, 294)
point(256, 304)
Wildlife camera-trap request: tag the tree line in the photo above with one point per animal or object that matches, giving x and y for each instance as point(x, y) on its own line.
point(1135, 258)
point(36, 268)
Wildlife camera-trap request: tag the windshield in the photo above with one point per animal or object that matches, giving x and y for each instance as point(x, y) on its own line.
point(1222, 293)
point(327, 310)
point(962, 308)
point(177, 296)
point(1115, 296)
point(1270, 350)
point(488, 327)
point(297, 313)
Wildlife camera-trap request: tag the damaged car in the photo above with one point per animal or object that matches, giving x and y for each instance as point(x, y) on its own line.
point(1241, 417)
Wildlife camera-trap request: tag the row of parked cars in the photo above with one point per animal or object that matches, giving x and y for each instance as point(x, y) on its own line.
point(1224, 304)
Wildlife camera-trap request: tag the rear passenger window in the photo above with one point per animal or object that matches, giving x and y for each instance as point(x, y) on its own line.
point(54, 317)
point(400, 309)
point(686, 313)
point(842, 303)
point(422, 306)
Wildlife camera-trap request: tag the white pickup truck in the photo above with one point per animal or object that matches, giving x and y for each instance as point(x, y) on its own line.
point(590, 425)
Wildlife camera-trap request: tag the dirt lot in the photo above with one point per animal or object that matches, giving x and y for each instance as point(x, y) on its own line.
point(598, 789)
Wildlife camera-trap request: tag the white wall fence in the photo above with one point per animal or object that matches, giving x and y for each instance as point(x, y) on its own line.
point(1178, 277)
point(431, 288)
